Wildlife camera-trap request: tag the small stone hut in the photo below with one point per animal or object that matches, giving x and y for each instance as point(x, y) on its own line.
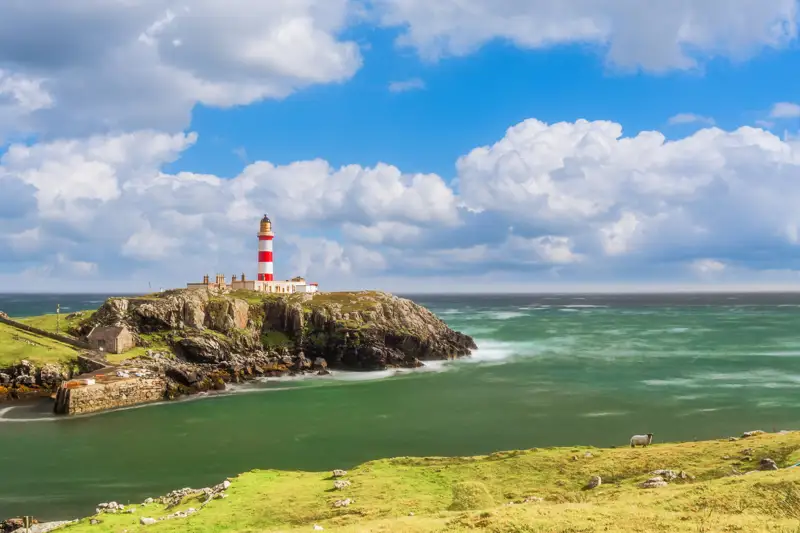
point(111, 339)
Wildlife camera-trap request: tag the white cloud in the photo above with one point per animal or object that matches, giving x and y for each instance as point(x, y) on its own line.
point(708, 266)
point(651, 34)
point(145, 64)
point(690, 118)
point(785, 110)
point(581, 198)
point(414, 84)
point(382, 232)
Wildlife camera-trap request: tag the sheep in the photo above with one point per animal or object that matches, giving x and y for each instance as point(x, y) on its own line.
point(642, 440)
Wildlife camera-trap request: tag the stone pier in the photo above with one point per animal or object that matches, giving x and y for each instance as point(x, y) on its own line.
point(107, 392)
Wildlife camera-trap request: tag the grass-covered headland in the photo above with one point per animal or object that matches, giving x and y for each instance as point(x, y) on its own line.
point(718, 486)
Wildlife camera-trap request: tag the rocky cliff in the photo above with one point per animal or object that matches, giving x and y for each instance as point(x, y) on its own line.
point(199, 340)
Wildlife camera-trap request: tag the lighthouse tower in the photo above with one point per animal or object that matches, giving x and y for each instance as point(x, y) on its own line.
point(265, 237)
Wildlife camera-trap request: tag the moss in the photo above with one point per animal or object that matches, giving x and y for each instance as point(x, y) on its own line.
point(275, 339)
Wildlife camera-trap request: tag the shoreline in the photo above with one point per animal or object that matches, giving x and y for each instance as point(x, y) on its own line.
point(250, 386)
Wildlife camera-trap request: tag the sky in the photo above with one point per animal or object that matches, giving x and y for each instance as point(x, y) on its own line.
point(403, 145)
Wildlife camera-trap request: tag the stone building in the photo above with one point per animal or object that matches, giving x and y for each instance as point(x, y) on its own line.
point(111, 339)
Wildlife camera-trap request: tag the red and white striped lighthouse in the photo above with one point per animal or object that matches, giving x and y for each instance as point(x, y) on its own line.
point(265, 237)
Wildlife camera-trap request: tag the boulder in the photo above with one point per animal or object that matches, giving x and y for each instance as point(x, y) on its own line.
point(653, 483)
point(341, 484)
point(183, 375)
point(202, 349)
point(339, 473)
point(594, 482)
point(753, 433)
point(27, 381)
point(768, 464)
point(342, 503)
point(51, 376)
point(146, 521)
point(5, 379)
point(320, 363)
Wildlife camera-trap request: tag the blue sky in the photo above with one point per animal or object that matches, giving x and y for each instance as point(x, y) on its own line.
point(598, 147)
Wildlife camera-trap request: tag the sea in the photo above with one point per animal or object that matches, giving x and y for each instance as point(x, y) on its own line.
point(550, 370)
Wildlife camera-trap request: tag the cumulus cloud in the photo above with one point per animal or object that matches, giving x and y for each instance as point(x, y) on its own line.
point(566, 198)
point(107, 198)
point(145, 64)
point(689, 118)
point(650, 34)
point(414, 84)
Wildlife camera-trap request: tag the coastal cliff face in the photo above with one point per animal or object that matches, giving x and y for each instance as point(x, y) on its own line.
point(199, 340)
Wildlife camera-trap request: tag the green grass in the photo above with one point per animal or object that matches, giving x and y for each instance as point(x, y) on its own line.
point(275, 339)
point(349, 301)
point(48, 322)
point(436, 490)
point(16, 345)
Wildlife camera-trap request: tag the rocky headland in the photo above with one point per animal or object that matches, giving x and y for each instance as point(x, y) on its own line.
point(189, 341)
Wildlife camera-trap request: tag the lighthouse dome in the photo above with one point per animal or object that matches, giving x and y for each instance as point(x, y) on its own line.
point(266, 225)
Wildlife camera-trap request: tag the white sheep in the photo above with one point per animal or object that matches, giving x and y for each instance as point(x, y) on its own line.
point(641, 440)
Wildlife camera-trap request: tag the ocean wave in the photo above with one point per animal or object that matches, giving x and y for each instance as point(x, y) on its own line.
point(504, 315)
point(584, 306)
point(765, 378)
point(604, 414)
point(448, 312)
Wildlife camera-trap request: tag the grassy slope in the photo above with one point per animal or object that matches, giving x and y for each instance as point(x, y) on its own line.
point(48, 322)
point(386, 491)
point(16, 345)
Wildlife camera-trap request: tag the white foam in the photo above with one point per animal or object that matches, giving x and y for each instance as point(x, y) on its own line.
point(505, 315)
point(492, 350)
point(604, 414)
point(583, 306)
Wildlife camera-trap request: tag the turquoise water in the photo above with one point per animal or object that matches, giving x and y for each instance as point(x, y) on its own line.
point(551, 370)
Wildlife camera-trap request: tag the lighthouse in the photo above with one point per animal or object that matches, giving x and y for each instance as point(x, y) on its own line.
point(265, 237)
point(265, 282)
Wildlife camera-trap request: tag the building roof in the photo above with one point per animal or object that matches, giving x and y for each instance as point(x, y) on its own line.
point(114, 330)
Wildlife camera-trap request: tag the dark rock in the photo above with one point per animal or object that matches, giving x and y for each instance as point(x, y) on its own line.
point(5, 379)
point(320, 363)
point(202, 349)
point(51, 376)
point(302, 363)
point(27, 381)
point(768, 464)
point(183, 375)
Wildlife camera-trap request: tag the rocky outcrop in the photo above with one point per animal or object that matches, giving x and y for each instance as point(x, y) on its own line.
point(27, 380)
point(201, 339)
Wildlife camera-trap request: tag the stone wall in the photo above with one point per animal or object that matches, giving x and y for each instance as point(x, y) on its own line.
point(109, 395)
